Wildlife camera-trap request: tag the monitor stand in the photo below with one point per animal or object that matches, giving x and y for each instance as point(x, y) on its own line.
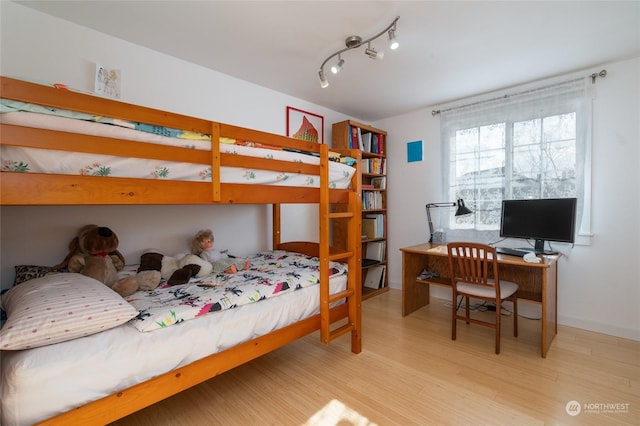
point(539, 248)
point(545, 252)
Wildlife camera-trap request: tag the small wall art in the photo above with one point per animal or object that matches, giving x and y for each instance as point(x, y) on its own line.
point(107, 82)
point(305, 125)
point(414, 151)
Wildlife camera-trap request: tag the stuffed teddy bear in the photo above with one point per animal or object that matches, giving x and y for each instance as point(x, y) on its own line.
point(94, 253)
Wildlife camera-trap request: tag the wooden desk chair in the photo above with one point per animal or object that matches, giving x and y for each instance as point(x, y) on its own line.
point(474, 273)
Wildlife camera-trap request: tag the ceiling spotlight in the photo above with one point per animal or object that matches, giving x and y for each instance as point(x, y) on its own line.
point(354, 42)
point(337, 67)
point(323, 80)
point(373, 53)
point(393, 40)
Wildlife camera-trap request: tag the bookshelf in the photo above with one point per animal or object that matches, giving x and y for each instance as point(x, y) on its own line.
point(372, 143)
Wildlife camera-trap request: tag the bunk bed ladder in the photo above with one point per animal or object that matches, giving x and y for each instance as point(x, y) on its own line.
point(352, 295)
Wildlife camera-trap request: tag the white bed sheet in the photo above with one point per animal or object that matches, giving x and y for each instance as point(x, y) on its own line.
point(64, 124)
point(63, 162)
point(42, 382)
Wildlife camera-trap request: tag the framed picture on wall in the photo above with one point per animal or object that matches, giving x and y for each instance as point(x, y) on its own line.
point(305, 125)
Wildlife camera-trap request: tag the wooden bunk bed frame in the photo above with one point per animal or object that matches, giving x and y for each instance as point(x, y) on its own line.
point(36, 189)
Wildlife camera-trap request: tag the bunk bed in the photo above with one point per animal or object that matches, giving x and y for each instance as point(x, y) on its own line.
point(335, 309)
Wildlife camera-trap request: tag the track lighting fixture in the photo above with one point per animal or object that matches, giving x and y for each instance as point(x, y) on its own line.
point(323, 80)
point(373, 54)
point(337, 67)
point(393, 41)
point(353, 42)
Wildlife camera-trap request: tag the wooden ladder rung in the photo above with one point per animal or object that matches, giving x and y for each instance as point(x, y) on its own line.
point(341, 295)
point(341, 255)
point(340, 215)
point(334, 334)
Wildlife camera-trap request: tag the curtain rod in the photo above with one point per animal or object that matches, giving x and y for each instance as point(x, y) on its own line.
point(593, 76)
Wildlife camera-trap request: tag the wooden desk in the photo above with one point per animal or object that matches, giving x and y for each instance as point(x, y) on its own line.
point(536, 281)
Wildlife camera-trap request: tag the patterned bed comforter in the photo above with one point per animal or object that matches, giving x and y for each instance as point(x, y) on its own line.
point(36, 160)
point(271, 274)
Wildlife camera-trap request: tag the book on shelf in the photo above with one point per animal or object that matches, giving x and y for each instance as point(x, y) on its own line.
point(372, 200)
point(369, 228)
point(375, 277)
point(374, 222)
point(376, 250)
point(353, 137)
point(374, 166)
point(366, 141)
point(379, 182)
point(374, 143)
point(368, 262)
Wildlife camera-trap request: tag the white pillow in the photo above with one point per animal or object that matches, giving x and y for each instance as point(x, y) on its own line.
point(60, 307)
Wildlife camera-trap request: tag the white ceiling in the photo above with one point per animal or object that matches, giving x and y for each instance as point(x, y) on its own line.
point(448, 49)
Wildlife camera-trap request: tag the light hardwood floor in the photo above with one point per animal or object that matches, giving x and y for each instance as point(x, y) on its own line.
point(410, 372)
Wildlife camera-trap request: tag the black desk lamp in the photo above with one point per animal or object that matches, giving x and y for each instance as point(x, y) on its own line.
point(461, 211)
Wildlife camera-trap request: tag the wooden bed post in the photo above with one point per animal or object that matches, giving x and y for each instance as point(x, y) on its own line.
point(215, 161)
point(276, 224)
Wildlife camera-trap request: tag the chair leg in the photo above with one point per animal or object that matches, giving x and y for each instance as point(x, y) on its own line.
point(466, 308)
point(498, 308)
point(454, 315)
point(515, 316)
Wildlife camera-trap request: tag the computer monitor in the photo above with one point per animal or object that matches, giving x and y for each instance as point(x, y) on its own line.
point(550, 219)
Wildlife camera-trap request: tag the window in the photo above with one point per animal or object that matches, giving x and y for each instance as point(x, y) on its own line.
point(530, 145)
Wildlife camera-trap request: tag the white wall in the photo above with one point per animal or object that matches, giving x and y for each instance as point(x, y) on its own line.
point(598, 284)
point(39, 47)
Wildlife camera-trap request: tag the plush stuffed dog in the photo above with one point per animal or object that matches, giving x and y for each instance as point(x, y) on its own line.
point(94, 253)
point(177, 269)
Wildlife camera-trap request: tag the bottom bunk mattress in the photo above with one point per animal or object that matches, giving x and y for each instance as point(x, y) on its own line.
point(44, 381)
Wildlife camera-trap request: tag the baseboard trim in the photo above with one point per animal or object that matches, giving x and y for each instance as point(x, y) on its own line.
point(597, 327)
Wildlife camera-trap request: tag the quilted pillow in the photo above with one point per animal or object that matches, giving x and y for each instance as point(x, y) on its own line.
point(59, 307)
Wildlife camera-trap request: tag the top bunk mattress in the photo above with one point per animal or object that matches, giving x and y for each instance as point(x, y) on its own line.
point(51, 161)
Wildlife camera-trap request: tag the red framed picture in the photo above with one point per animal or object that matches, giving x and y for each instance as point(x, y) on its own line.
point(305, 125)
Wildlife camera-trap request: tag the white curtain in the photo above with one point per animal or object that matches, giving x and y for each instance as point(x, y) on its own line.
point(489, 129)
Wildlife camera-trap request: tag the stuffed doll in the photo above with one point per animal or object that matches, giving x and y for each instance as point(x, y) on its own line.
point(202, 245)
point(94, 253)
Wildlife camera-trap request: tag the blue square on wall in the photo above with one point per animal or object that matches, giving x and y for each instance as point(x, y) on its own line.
point(414, 151)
